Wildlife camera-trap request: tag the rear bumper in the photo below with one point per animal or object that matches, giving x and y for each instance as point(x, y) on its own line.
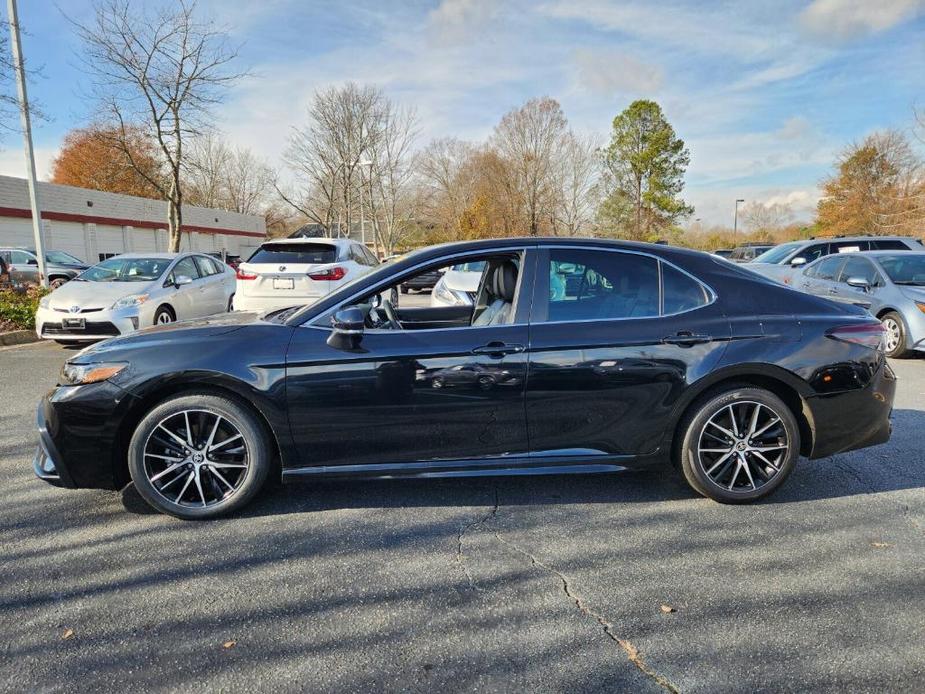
point(258, 304)
point(853, 419)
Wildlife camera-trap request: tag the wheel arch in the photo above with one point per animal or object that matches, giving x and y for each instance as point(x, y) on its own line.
point(169, 307)
point(789, 388)
point(885, 310)
point(238, 392)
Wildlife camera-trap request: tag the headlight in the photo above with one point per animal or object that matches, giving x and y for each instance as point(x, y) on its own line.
point(450, 296)
point(81, 374)
point(43, 302)
point(133, 300)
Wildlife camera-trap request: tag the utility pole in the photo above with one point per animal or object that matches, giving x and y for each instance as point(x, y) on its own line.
point(735, 222)
point(37, 230)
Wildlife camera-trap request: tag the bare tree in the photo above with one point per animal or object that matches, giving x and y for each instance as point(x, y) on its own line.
point(530, 139)
point(393, 196)
point(576, 180)
point(343, 130)
point(758, 216)
point(205, 169)
point(161, 69)
point(446, 178)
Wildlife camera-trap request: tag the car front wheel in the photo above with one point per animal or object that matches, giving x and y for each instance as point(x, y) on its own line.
point(739, 444)
point(894, 337)
point(199, 456)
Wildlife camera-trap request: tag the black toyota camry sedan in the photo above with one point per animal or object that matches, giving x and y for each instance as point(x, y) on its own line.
point(575, 356)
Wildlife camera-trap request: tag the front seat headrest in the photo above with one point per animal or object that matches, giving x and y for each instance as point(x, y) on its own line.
point(506, 281)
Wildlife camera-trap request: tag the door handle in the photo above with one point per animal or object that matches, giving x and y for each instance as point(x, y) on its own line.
point(686, 339)
point(834, 290)
point(498, 349)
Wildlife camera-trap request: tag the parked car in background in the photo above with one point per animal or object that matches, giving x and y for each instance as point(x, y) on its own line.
point(659, 364)
point(230, 259)
point(890, 285)
point(132, 291)
point(782, 262)
point(297, 272)
point(748, 252)
point(426, 281)
point(24, 266)
point(4, 274)
point(458, 285)
point(723, 252)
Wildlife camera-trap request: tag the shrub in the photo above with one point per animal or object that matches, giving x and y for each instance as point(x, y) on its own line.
point(18, 307)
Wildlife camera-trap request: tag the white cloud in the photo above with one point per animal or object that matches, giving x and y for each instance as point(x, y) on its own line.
point(13, 160)
point(846, 19)
point(613, 71)
point(455, 20)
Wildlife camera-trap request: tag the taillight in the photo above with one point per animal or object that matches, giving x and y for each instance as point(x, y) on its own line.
point(867, 334)
point(243, 275)
point(329, 274)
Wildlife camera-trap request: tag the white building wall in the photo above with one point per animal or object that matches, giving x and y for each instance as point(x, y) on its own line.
point(86, 239)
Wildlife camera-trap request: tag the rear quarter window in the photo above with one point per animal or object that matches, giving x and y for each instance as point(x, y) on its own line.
point(296, 253)
point(681, 292)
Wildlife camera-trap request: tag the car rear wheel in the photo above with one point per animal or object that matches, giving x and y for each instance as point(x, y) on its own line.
point(739, 444)
point(894, 338)
point(199, 456)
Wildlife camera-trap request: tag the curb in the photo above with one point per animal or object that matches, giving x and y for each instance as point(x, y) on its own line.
point(18, 337)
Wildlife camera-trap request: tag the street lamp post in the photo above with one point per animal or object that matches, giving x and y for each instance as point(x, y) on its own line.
point(735, 222)
point(13, 18)
point(362, 165)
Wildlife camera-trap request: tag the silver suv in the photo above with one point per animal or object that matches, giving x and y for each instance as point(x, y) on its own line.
point(782, 262)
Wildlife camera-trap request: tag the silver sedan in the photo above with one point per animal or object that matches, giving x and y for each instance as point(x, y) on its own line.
point(890, 285)
point(131, 291)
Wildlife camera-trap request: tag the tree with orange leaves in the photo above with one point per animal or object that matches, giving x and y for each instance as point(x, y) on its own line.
point(94, 158)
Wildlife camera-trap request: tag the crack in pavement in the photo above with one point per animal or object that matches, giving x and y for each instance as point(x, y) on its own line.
point(631, 651)
point(460, 557)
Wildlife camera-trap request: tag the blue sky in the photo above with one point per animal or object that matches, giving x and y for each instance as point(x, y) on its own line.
point(765, 94)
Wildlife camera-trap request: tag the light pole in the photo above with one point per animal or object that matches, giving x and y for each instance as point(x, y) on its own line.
point(361, 166)
point(735, 222)
point(13, 17)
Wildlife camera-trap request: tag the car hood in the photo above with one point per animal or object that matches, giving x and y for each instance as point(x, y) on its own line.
point(94, 294)
point(462, 281)
point(772, 271)
point(163, 336)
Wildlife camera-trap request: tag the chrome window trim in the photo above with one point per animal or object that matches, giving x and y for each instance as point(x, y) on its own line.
point(713, 296)
point(384, 283)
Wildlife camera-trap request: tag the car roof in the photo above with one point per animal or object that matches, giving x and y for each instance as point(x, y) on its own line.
point(863, 237)
point(302, 239)
point(168, 256)
point(895, 251)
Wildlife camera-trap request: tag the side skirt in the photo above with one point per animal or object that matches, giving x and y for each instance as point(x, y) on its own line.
point(471, 468)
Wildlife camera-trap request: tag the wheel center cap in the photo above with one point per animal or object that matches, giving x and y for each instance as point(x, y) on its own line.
point(741, 446)
point(197, 457)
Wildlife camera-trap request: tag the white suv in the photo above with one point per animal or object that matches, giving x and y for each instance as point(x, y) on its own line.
point(296, 272)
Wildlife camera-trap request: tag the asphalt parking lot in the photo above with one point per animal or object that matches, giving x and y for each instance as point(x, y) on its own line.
point(544, 583)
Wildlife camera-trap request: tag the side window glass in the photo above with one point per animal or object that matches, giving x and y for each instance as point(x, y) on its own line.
point(20, 258)
point(858, 267)
point(594, 285)
point(681, 292)
point(811, 271)
point(828, 269)
point(185, 267)
point(888, 245)
point(815, 251)
point(849, 246)
point(204, 266)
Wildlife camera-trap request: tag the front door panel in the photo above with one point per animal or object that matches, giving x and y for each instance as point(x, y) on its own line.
point(407, 396)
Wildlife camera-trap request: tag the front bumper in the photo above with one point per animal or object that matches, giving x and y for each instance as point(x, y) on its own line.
point(52, 324)
point(78, 431)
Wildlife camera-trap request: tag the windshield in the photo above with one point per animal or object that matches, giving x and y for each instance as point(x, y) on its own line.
point(779, 253)
point(295, 253)
point(126, 270)
point(907, 268)
point(62, 258)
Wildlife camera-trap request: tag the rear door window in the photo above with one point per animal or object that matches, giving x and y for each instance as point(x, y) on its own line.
point(848, 246)
point(681, 291)
point(295, 253)
point(186, 266)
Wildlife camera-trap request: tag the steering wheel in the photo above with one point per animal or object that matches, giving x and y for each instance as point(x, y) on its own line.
point(390, 314)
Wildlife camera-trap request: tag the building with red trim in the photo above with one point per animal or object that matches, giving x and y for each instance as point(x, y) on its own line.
point(94, 225)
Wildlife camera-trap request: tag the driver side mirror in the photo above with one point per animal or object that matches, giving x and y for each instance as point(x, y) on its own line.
point(799, 260)
point(348, 324)
point(32, 261)
point(180, 280)
point(858, 283)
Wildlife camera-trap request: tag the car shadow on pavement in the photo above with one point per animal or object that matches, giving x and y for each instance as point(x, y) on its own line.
point(890, 467)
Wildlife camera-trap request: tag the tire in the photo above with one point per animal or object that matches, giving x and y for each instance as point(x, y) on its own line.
point(230, 304)
point(734, 469)
point(895, 337)
point(57, 282)
point(210, 481)
point(68, 343)
point(164, 315)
